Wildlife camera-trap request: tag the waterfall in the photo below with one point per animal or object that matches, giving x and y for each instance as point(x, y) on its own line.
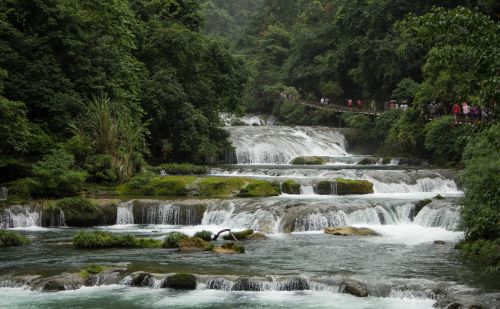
point(125, 213)
point(20, 216)
point(447, 217)
point(3, 193)
point(278, 145)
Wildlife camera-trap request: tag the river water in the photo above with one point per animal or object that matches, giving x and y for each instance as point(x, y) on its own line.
point(401, 268)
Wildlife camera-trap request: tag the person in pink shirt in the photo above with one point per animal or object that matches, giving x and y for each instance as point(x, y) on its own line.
point(466, 111)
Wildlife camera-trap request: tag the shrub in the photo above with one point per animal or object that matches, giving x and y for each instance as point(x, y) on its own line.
point(172, 240)
point(13, 239)
point(101, 169)
point(485, 253)
point(446, 140)
point(54, 175)
point(205, 235)
point(91, 269)
point(99, 240)
point(357, 121)
point(260, 188)
point(406, 135)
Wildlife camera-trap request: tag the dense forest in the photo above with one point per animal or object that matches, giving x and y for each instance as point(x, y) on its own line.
point(92, 90)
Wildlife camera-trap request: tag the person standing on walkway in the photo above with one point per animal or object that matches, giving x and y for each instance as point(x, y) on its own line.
point(455, 111)
point(349, 104)
point(359, 103)
point(466, 111)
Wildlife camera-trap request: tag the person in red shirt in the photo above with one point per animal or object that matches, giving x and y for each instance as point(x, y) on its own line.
point(455, 111)
point(349, 104)
point(359, 103)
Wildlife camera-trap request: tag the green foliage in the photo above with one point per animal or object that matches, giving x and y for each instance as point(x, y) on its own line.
point(385, 121)
point(406, 89)
point(55, 175)
point(236, 247)
point(172, 240)
point(182, 169)
point(220, 186)
point(406, 135)
point(117, 139)
point(308, 161)
point(14, 127)
point(156, 185)
point(101, 240)
point(353, 186)
point(357, 121)
point(260, 188)
point(205, 235)
point(480, 215)
point(483, 253)
point(446, 140)
point(91, 269)
point(13, 239)
point(80, 212)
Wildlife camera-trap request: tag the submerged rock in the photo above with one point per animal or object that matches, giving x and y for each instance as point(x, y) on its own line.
point(181, 282)
point(325, 187)
point(294, 284)
point(247, 284)
point(193, 244)
point(61, 282)
point(229, 248)
point(350, 231)
point(439, 242)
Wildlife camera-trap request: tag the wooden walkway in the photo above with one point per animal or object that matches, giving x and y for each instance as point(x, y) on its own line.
point(338, 108)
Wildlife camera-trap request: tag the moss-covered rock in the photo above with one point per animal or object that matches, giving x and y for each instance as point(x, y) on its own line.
point(256, 236)
point(99, 240)
point(290, 187)
point(13, 239)
point(325, 187)
point(181, 282)
point(350, 231)
point(219, 186)
point(79, 212)
point(352, 186)
point(193, 244)
point(205, 235)
point(173, 239)
point(260, 188)
point(157, 185)
point(61, 282)
point(309, 161)
point(419, 205)
point(229, 248)
point(242, 235)
point(368, 161)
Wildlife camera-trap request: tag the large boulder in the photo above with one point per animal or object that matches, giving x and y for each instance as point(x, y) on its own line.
point(193, 244)
point(180, 282)
point(350, 231)
point(353, 186)
point(354, 287)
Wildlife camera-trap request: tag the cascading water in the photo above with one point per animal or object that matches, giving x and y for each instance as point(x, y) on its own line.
point(279, 145)
point(159, 212)
point(125, 213)
point(20, 216)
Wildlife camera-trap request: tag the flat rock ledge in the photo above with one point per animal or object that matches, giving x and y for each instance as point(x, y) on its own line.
point(350, 231)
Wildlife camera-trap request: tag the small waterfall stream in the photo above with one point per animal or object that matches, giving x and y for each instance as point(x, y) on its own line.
point(20, 216)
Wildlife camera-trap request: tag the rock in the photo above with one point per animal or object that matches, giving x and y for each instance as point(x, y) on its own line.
point(140, 279)
point(193, 244)
point(354, 287)
point(229, 248)
point(439, 242)
point(419, 205)
point(180, 282)
point(61, 282)
point(290, 187)
point(295, 284)
point(350, 231)
point(308, 161)
point(257, 236)
point(353, 186)
point(368, 161)
point(325, 187)
point(242, 235)
point(246, 284)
